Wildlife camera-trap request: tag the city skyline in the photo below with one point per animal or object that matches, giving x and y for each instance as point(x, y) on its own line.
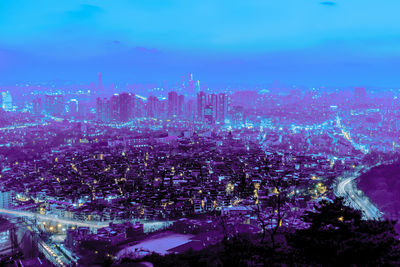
point(199, 133)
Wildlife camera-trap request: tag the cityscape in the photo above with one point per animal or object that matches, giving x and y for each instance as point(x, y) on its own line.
point(187, 158)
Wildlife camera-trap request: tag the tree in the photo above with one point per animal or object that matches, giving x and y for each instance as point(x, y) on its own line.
point(270, 214)
point(95, 252)
point(337, 235)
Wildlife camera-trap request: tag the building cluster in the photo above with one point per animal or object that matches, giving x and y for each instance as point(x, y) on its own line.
point(112, 235)
point(190, 155)
point(208, 108)
point(115, 174)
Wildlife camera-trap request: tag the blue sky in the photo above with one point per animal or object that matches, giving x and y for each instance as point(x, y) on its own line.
point(313, 43)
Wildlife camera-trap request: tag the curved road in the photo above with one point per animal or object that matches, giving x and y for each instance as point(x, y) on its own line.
point(346, 188)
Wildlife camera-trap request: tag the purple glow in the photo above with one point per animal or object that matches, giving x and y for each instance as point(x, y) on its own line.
point(202, 134)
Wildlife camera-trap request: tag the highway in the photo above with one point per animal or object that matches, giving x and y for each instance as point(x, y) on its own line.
point(347, 136)
point(346, 188)
point(12, 127)
point(53, 218)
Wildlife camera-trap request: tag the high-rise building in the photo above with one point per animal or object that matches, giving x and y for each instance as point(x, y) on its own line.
point(114, 108)
point(172, 104)
point(181, 105)
point(119, 108)
point(101, 109)
point(197, 86)
point(208, 114)
point(6, 199)
point(139, 107)
point(37, 106)
point(6, 101)
point(238, 117)
point(83, 110)
point(153, 107)
point(99, 86)
point(125, 106)
point(190, 110)
point(73, 108)
point(192, 87)
point(212, 99)
point(54, 105)
point(201, 104)
point(223, 106)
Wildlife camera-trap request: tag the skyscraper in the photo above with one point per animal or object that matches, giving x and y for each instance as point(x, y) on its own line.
point(100, 85)
point(6, 101)
point(73, 107)
point(190, 110)
point(212, 100)
point(114, 108)
point(223, 106)
point(208, 114)
point(172, 104)
point(153, 106)
point(37, 106)
point(139, 107)
point(201, 104)
point(192, 87)
point(181, 104)
point(101, 109)
point(54, 105)
point(125, 107)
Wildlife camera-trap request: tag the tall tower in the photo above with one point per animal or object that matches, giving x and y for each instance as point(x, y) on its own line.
point(115, 108)
point(125, 107)
point(181, 103)
point(212, 100)
point(99, 79)
point(201, 104)
point(152, 107)
point(37, 106)
point(99, 86)
point(190, 90)
point(54, 105)
point(172, 103)
point(6, 101)
point(223, 106)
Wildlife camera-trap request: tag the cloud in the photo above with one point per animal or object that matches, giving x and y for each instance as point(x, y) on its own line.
point(84, 11)
point(145, 50)
point(328, 3)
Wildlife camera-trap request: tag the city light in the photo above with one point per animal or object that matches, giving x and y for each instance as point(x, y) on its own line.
point(199, 133)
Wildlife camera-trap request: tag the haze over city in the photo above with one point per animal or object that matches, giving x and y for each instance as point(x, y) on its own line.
point(199, 133)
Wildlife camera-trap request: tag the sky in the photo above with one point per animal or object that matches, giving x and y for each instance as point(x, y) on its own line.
point(304, 42)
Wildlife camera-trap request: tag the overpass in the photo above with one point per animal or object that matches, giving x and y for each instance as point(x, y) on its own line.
point(65, 221)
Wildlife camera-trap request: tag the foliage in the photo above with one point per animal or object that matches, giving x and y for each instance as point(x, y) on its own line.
point(336, 236)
